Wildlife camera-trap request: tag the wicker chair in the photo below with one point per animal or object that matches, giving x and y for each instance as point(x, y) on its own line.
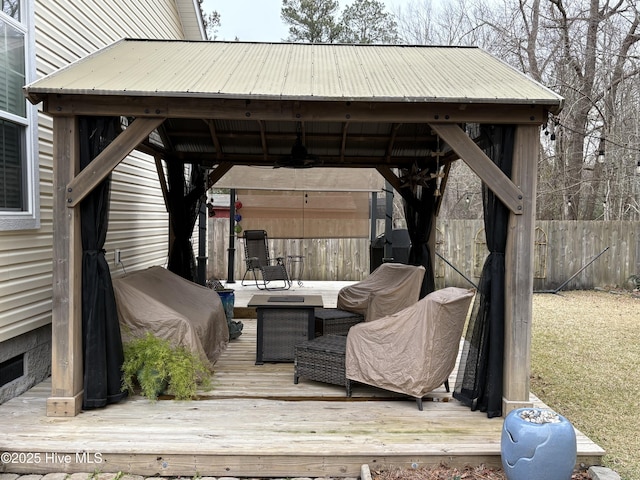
point(267, 273)
point(410, 352)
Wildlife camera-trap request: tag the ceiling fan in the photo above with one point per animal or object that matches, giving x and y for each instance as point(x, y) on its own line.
point(299, 156)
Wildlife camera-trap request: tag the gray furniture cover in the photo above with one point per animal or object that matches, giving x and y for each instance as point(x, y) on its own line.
point(158, 301)
point(412, 351)
point(388, 289)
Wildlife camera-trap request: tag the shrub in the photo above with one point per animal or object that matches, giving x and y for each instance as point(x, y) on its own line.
point(155, 366)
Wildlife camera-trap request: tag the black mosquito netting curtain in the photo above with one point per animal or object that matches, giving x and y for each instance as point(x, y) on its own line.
point(102, 344)
point(185, 197)
point(419, 209)
point(479, 383)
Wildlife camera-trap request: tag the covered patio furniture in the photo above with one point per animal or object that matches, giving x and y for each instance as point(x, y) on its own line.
point(413, 351)
point(170, 307)
point(322, 360)
point(258, 261)
point(332, 321)
point(388, 289)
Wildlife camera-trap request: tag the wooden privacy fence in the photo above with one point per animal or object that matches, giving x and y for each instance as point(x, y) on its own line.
point(562, 250)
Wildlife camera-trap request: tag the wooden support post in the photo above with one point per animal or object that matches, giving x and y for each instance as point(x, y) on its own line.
point(519, 273)
point(66, 347)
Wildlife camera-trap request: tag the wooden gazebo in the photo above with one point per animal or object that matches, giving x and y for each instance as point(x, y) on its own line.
point(223, 104)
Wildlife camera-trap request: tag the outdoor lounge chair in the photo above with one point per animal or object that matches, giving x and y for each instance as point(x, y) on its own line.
point(411, 352)
point(388, 289)
point(267, 273)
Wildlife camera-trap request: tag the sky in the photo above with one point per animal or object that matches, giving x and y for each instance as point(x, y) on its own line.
point(259, 20)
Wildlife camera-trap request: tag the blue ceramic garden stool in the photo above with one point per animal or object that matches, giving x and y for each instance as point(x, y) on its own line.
point(228, 297)
point(538, 444)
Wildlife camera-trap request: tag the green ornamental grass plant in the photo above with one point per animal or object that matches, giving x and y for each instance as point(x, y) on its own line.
point(155, 366)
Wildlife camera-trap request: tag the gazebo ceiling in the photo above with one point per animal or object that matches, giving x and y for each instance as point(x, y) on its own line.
point(247, 103)
point(270, 143)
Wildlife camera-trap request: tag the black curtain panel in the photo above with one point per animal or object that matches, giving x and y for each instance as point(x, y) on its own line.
point(186, 194)
point(479, 383)
point(419, 208)
point(102, 344)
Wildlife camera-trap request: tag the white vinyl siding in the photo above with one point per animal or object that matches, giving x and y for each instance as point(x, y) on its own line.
point(140, 233)
point(65, 31)
point(191, 18)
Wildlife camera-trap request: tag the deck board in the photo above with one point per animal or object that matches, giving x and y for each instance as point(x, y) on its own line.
point(255, 422)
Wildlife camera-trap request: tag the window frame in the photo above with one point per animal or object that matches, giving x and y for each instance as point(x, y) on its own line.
point(29, 217)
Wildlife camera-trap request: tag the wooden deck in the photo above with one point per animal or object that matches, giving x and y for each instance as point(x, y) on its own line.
point(254, 423)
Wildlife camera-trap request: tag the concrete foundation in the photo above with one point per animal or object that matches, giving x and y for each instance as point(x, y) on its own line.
point(33, 351)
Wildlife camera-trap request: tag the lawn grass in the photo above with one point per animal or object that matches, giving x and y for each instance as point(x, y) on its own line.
point(585, 356)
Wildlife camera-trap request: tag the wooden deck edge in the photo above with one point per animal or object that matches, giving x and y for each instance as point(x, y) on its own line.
point(239, 466)
point(248, 465)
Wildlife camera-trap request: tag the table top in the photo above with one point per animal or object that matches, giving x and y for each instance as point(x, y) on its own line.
point(291, 301)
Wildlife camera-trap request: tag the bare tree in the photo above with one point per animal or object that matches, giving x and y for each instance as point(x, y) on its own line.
point(212, 24)
point(588, 53)
point(416, 23)
point(595, 51)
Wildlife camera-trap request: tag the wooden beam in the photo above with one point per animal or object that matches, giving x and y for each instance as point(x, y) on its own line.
point(163, 181)
point(290, 110)
point(66, 341)
point(218, 173)
point(443, 188)
point(303, 132)
point(389, 176)
point(166, 139)
point(482, 165)
point(395, 182)
point(392, 139)
point(109, 158)
point(343, 144)
point(215, 138)
point(318, 137)
point(257, 159)
point(519, 261)
point(263, 141)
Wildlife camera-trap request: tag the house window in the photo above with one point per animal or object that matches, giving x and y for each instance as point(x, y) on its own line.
point(19, 206)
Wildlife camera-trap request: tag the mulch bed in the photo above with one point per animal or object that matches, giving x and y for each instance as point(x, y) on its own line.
point(443, 472)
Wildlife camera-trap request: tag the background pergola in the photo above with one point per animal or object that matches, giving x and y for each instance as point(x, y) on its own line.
point(223, 104)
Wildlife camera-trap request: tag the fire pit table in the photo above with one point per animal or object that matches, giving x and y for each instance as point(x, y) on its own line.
point(283, 321)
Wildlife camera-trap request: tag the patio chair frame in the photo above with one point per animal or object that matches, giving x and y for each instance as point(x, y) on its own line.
point(257, 258)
